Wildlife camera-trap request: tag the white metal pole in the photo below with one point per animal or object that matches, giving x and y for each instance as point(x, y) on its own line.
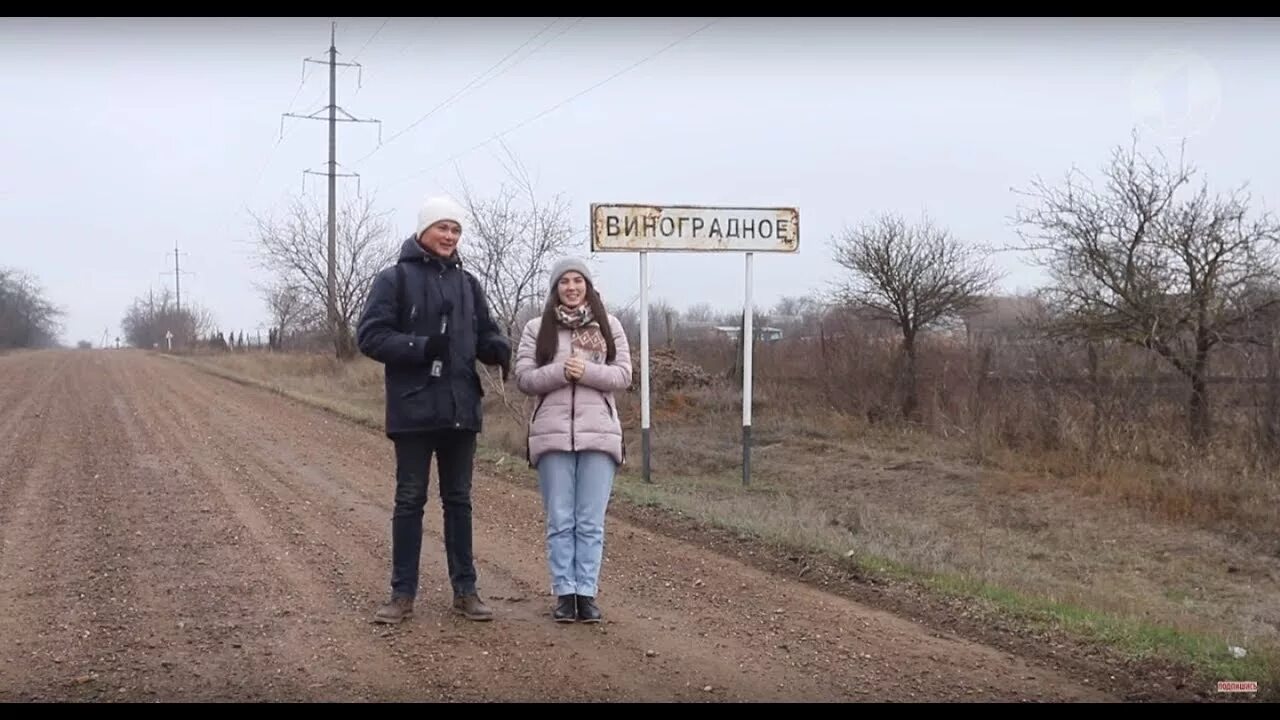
point(644, 363)
point(748, 334)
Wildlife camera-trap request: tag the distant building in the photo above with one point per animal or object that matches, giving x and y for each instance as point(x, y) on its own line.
point(761, 334)
point(1002, 318)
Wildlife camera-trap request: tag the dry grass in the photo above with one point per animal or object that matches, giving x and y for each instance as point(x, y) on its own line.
point(1177, 560)
point(1116, 431)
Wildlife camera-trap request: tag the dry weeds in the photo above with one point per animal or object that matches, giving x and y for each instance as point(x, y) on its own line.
point(1183, 551)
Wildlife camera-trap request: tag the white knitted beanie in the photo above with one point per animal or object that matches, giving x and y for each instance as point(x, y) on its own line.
point(436, 209)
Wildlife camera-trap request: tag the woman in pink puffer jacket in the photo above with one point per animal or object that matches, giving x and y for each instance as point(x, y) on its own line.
point(573, 359)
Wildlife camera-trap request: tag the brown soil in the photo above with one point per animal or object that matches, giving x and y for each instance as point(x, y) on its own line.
point(172, 536)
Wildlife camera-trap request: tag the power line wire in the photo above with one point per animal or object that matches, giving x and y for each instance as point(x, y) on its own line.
point(558, 105)
point(272, 152)
point(361, 52)
point(527, 55)
point(371, 37)
point(464, 89)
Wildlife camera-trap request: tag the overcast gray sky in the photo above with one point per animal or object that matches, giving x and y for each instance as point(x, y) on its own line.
point(124, 136)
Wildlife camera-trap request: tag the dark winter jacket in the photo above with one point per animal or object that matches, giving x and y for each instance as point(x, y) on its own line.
point(403, 311)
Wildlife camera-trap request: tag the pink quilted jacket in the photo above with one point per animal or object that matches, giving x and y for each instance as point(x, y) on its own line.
point(573, 416)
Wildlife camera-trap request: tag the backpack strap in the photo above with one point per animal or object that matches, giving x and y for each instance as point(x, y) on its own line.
point(473, 285)
point(401, 298)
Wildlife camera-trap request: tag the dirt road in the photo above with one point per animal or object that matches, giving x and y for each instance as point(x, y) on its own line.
point(171, 536)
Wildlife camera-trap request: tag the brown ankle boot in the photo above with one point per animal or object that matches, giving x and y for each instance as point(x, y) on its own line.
point(472, 607)
point(394, 610)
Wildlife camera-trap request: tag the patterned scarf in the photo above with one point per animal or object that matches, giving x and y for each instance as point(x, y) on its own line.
point(587, 339)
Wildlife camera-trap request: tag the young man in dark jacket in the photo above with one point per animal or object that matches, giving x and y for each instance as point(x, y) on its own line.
point(427, 321)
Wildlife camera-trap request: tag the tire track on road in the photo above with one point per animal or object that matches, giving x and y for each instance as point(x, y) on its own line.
point(25, 403)
point(306, 497)
point(291, 641)
point(49, 625)
point(708, 620)
point(177, 536)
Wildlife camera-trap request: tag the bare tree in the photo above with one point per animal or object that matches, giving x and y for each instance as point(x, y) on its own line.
point(700, 313)
point(663, 320)
point(914, 276)
point(289, 309)
point(27, 318)
point(294, 250)
point(149, 319)
point(1141, 261)
point(513, 238)
point(795, 306)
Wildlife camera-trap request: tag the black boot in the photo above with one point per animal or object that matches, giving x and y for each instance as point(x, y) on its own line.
point(588, 611)
point(566, 611)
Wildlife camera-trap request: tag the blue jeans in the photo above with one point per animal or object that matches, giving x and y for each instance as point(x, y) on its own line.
point(575, 493)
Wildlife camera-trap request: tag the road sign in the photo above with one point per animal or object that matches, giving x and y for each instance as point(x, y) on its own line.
point(693, 228)
point(168, 336)
point(643, 228)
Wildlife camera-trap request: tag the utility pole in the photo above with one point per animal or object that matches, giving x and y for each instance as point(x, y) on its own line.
point(177, 277)
point(333, 180)
point(342, 343)
point(177, 284)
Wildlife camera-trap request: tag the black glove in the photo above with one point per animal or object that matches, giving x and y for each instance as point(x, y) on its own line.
point(437, 346)
point(504, 361)
point(495, 350)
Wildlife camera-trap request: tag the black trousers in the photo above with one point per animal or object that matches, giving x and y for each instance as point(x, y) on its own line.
point(455, 456)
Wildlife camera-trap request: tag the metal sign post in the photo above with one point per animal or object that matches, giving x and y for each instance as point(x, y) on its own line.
point(644, 364)
point(748, 336)
point(694, 228)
